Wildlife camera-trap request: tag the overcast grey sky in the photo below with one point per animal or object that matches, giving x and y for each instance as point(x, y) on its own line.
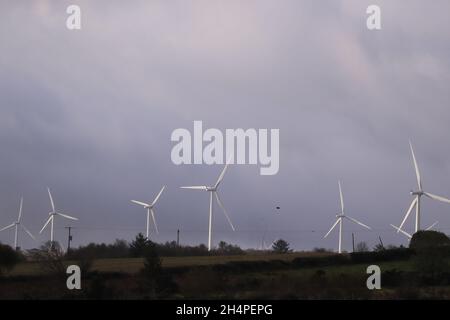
point(89, 113)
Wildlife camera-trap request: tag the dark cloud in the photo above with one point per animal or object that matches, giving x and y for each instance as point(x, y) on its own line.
point(90, 114)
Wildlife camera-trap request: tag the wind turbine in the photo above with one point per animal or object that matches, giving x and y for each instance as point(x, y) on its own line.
point(18, 224)
point(417, 195)
point(340, 220)
point(213, 194)
point(409, 235)
point(150, 211)
point(52, 215)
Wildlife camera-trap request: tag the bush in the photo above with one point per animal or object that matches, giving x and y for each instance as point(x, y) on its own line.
point(8, 258)
point(226, 249)
point(432, 258)
point(251, 266)
point(361, 247)
point(426, 239)
point(119, 249)
point(50, 258)
point(384, 255)
point(331, 260)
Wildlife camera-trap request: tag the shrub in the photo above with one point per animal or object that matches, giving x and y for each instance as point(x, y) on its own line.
point(50, 257)
point(425, 239)
point(331, 260)
point(384, 255)
point(361, 247)
point(8, 258)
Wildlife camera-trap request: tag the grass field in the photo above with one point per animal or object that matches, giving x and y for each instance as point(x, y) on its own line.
point(133, 265)
point(237, 281)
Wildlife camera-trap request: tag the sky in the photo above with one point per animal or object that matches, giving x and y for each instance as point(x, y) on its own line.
point(89, 113)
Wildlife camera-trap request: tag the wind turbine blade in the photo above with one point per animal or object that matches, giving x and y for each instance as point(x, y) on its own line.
point(8, 227)
point(408, 212)
point(66, 216)
point(20, 210)
point(224, 210)
point(419, 180)
point(154, 220)
point(196, 188)
point(222, 174)
point(432, 226)
point(141, 203)
point(51, 200)
point(358, 222)
point(435, 197)
point(402, 231)
point(28, 232)
point(334, 225)
point(341, 197)
point(159, 195)
point(46, 224)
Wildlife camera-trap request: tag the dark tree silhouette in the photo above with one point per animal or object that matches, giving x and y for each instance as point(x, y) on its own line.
point(281, 246)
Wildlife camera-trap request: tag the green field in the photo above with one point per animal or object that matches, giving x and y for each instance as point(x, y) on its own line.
point(194, 279)
point(133, 265)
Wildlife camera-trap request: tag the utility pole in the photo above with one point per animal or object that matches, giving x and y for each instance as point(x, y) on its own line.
point(69, 239)
point(178, 237)
point(353, 241)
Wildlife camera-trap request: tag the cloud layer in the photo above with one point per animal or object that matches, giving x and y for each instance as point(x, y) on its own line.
point(90, 113)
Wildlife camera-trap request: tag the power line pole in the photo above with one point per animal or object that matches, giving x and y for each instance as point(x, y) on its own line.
point(178, 237)
point(69, 239)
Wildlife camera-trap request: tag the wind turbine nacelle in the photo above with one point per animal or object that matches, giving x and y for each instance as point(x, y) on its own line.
point(416, 193)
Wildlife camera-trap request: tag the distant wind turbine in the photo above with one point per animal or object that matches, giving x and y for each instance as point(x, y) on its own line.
point(213, 193)
point(150, 211)
point(417, 196)
point(409, 235)
point(18, 224)
point(340, 220)
point(52, 215)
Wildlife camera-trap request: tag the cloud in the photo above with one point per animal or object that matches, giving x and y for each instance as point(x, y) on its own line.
point(90, 113)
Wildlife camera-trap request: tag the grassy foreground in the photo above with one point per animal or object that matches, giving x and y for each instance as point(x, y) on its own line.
point(133, 265)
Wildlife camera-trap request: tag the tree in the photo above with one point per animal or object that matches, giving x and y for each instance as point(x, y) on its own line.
point(50, 257)
point(425, 239)
point(156, 281)
point(139, 245)
point(228, 249)
point(281, 246)
point(8, 258)
point(152, 271)
point(432, 254)
point(379, 247)
point(362, 247)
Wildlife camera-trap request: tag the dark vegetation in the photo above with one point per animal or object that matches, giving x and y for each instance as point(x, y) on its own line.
point(8, 258)
point(121, 249)
point(418, 272)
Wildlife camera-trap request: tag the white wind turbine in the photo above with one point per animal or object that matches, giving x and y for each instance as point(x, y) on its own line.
point(340, 220)
point(213, 193)
point(417, 196)
point(150, 211)
point(409, 235)
point(18, 224)
point(52, 215)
